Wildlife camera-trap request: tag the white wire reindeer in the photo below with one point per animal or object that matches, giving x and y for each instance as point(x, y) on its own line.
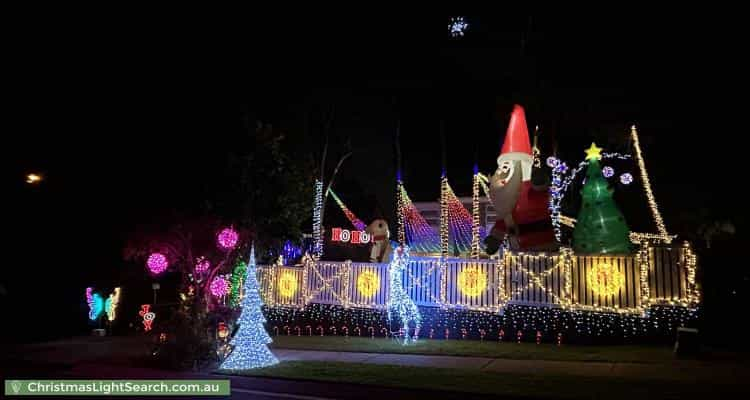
point(399, 301)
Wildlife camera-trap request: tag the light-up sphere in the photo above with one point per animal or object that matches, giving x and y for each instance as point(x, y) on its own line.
point(228, 238)
point(608, 172)
point(157, 263)
point(552, 162)
point(202, 265)
point(626, 178)
point(368, 283)
point(287, 284)
point(472, 281)
point(219, 286)
point(605, 279)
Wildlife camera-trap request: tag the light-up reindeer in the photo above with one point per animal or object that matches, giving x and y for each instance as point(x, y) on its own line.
point(400, 304)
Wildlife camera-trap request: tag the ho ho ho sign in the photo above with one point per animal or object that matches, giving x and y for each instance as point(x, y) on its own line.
point(347, 236)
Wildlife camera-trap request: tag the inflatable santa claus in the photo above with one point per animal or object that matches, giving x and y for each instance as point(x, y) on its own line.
point(519, 192)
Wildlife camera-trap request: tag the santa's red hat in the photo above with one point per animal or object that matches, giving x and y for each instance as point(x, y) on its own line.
point(517, 146)
point(517, 135)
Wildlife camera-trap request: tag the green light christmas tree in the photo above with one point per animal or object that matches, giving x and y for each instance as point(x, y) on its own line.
point(600, 227)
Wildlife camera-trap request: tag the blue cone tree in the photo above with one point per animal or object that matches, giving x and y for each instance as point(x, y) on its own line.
point(250, 343)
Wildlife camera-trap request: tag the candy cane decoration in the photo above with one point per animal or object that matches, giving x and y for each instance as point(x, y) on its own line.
point(482, 332)
point(416, 333)
point(286, 328)
point(559, 338)
point(359, 331)
point(538, 337)
point(384, 332)
point(432, 332)
point(372, 332)
point(276, 331)
point(447, 333)
point(346, 330)
point(309, 330)
point(519, 334)
point(320, 329)
point(500, 335)
point(298, 330)
point(463, 333)
point(333, 329)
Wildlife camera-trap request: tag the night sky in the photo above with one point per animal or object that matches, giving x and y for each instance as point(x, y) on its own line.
point(127, 122)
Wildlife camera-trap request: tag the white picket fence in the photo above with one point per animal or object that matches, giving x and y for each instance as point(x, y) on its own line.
point(537, 279)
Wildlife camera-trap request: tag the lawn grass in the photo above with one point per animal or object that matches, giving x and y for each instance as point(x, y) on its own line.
point(492, 349)
point(487, 382)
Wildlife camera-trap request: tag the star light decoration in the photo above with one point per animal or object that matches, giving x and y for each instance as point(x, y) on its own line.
point(593, 152)
point(457, 26)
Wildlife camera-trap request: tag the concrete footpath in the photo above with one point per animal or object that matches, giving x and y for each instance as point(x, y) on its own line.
point(678, 370)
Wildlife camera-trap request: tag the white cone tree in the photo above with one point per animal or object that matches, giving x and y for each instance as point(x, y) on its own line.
point(250, 343)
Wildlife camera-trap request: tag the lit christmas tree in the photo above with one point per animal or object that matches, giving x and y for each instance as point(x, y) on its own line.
point(238, 280)
point(250, 343)
point(600, 228)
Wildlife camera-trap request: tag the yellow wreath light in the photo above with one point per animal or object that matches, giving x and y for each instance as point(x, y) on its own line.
point(604, 279)
point(368, 283)
point(287, 284)
point(472, 281)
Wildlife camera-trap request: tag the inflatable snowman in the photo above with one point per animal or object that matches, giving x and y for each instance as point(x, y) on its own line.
point(519, 193)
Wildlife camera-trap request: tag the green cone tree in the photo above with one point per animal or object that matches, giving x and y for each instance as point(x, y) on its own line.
point(600, 226)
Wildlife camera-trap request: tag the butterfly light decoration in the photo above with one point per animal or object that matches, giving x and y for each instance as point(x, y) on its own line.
point(97, 305)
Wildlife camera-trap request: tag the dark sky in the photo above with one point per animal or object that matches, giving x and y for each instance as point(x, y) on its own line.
point(126, 120)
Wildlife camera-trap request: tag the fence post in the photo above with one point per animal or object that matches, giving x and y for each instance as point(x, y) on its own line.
point(643, 256)
point(345, 283)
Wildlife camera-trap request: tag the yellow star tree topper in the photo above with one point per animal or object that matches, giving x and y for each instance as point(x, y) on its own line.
point(593, 152)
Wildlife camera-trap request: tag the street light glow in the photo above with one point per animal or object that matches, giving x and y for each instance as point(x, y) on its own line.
point(33, 178)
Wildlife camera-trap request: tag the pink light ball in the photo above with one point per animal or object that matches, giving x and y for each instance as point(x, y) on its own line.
point(202, 265)
point(219, 286)
point(228, 238)
point(157, 263)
